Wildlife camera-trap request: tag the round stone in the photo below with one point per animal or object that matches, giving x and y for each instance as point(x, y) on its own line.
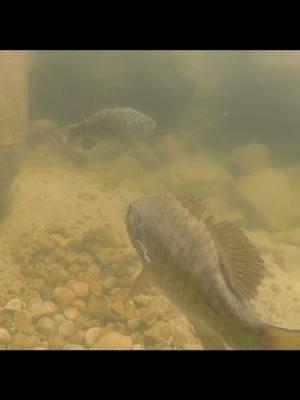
point(113, 341)
point(4, 336)
point(23, 322)
point(66, 328)
point(46, 326)
point(73, 346)
point(64, 296)
point(71, 313)
point(13, 305)
point(92, 335)
point(81, 289)
point(56, 342)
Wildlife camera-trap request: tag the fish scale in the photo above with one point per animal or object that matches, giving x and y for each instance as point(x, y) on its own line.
point(209, 270)
point(113, 123)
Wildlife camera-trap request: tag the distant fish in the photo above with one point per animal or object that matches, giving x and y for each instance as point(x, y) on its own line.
point(208, 269)
point(110, 123)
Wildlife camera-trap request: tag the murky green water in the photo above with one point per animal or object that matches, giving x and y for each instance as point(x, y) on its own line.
point(227, 128)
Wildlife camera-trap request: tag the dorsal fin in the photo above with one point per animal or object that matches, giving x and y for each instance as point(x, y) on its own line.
point(194, 204)
point(242, 265)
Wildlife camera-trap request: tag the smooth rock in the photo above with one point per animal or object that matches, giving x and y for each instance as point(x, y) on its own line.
point(78, 337)
point(81, 289)
point(66, 328)
point(47, 308)
point(73, 346)
point(91, 323)
point(13, 305)
point(109, 283)
point(4, 336)
point(142, 300)
point(138, 346)
point(32, 342)
point(64, 296)
point(71, 313)
point(95, 288)
point(58, 318)
point(92, 335)
point(134, 324)
point(192, 346)
point(46, 326)
point(23, 322)
point(93, 273)
point(113, 341)
point(80, 304)
point(56, 342)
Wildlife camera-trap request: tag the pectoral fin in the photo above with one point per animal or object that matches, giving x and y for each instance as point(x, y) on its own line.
point(142, 282)
point(88, 142)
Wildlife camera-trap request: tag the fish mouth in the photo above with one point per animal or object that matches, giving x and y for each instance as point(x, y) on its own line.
point(134, 225)
point(129, 223)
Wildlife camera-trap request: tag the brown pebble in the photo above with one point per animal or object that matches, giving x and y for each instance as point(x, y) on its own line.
point(71, 258)
point(92, 323)
point(109, 283)
point(64, 296)
point(78, 337)
point(94, 305)
point(56, 342)
point(95, 288)
point(66, 328)
point(80, 304)
point(108, 328)
point(23, 322)
point(71, 313)
point(74, 268)
point(93, 273)
point(84, 259)
point(81, 289)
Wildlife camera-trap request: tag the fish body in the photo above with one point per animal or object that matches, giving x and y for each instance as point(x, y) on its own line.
point(112, 123)
point(207, 269)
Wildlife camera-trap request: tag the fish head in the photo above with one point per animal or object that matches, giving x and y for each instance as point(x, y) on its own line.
point(134, 222)
point(142, 215)
point(144, 210)
point(137, 222)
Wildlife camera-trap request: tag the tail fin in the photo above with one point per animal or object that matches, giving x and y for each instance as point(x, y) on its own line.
point(281, 339)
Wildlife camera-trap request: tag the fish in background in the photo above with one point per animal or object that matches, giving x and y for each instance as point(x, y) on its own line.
point(209, 269)
point(123, 123)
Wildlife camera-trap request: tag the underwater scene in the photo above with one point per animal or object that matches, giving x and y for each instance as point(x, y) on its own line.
point(149, 200)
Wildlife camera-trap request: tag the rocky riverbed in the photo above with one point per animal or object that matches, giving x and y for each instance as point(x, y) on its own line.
point(67, 267)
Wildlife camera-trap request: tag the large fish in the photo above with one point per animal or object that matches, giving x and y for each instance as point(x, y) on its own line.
point(209, 270)
point(110, 123)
